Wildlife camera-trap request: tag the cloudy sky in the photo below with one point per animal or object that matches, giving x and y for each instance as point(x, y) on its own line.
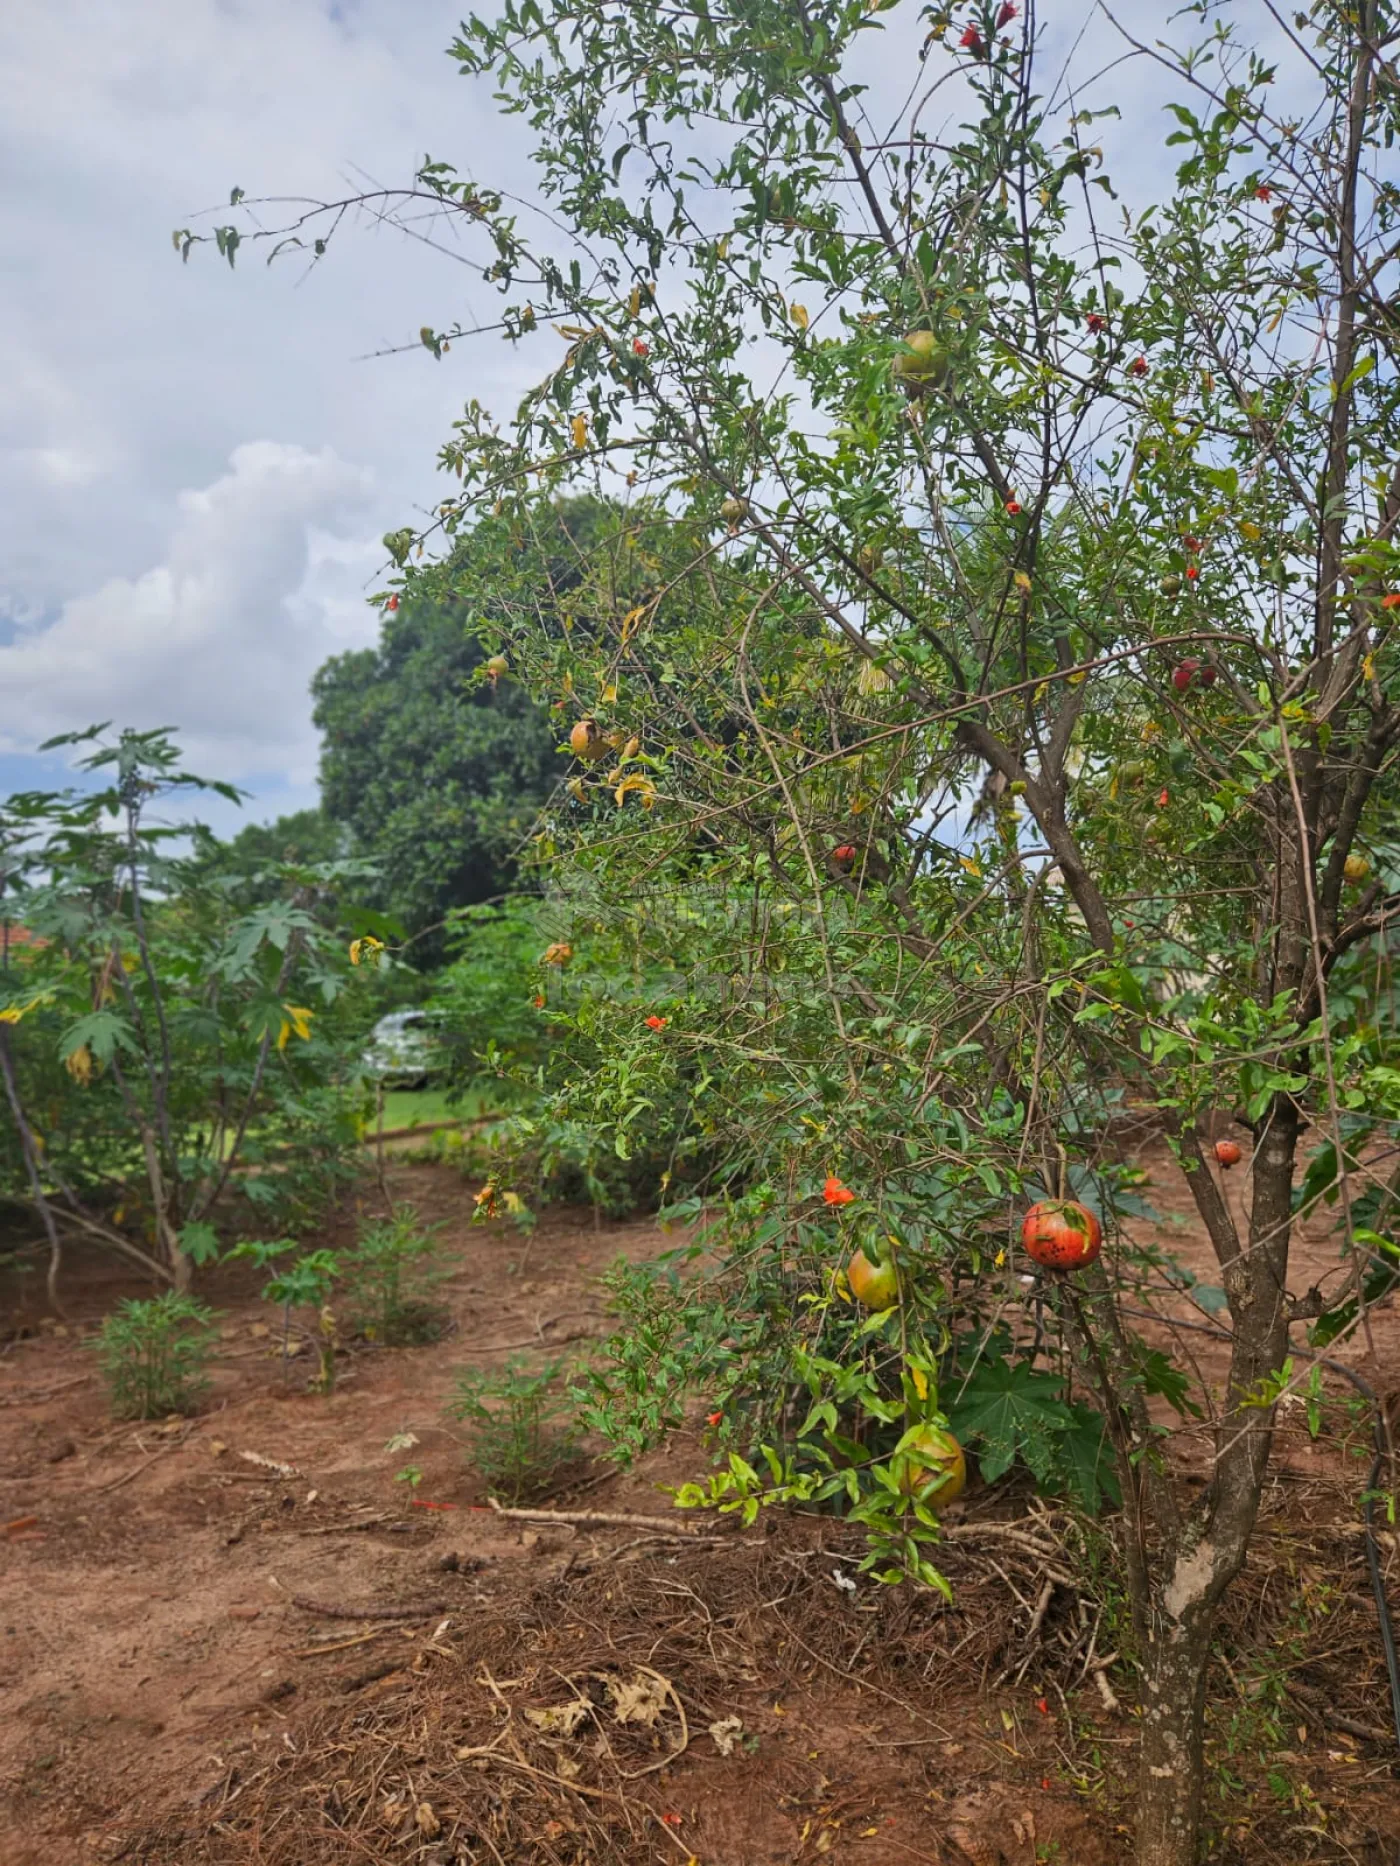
point(196, 466)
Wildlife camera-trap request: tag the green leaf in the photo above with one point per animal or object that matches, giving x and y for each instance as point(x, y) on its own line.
point(103, 1032)
point(1086, 1461)
point(200, 1243)
point(1007, 1410)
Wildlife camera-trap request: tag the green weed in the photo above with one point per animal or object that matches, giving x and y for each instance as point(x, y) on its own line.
point(153, 1355)
point(388, 1277)
point(520, 1430)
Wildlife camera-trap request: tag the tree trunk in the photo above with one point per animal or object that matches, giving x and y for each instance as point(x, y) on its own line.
point(1171, 1753)
point(31, 1167)
point(1202, 1560)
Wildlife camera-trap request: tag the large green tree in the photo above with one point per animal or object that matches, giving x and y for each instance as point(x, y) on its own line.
point(438, 764)
point(1083, 518)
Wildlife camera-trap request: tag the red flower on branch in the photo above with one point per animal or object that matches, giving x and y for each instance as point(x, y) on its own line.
point(835, 1193)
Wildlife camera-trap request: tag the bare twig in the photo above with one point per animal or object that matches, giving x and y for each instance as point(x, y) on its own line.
point(421, 1611)
point(595, 1519)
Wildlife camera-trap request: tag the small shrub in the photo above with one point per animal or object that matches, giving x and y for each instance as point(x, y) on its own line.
point(153, 1354)
point(518, 1434)
point(669, 1342)
point(305, 1284)
point(388, 1277)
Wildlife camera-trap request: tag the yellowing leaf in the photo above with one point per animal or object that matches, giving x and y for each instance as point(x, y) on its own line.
point(970, 866)
point(578, 428)
point(643, 786)
point(12, 1013)
point(298, 1018)
point(916, 1374)
point(799, 316)
point(1250, 531)
point(1022, 582)
point(608, 696)
point(631, 621)
point(634, 301)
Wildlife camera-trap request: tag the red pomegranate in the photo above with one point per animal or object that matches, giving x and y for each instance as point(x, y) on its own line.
point(1061, 1234)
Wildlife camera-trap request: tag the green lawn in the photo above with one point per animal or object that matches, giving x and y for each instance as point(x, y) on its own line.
point(417, 1107)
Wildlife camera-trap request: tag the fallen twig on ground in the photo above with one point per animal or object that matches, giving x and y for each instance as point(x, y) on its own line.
point(337, 1645)
point(419, 1612)
point(596, 1519)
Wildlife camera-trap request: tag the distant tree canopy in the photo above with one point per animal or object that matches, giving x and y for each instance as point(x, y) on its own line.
point(437, 770)
point(303, 836)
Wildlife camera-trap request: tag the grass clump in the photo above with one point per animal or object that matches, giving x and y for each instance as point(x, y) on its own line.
point(389, 1277)
point(520, 1429)
point(153, 1355)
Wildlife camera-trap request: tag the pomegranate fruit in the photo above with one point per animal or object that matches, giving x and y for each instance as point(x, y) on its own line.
point(922, 364)
point(734, 511)
point(1356, 868)
point(1183, 674)
point(1171, 585)
point(874, 1285)
point(1061, 1234)
point(1228, 1152)
point(931, 1469)
point(587, 742)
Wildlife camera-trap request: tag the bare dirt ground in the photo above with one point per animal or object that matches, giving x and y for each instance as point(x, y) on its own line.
point(196, 1669)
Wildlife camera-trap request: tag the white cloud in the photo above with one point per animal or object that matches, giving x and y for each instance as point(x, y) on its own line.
point(263, 576)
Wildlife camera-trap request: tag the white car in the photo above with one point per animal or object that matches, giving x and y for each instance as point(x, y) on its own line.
point(404, 1050)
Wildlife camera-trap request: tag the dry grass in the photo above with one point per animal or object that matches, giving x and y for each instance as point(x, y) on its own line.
point(572, 1723)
